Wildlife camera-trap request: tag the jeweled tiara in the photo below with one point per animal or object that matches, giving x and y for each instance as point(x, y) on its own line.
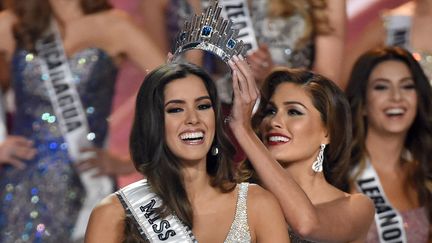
point(209, 32)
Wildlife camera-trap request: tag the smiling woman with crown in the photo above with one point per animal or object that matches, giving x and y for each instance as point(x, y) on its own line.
point(190, 193)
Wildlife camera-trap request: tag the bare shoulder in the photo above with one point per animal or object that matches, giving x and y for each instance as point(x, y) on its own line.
point(362, 201)
point(355, 202)
point(260, 200)
point(258, 196)
point(106, 223)
point(361, 208)
point(109, 207)
point(265, 216)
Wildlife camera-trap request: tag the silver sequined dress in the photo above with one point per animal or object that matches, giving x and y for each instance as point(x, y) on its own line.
point(239, 232)
point(41, 202)
point(285, 36)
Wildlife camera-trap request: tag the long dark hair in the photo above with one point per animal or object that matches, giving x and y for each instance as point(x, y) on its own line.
point(419, 138)
point(334, 110)
point(34, 18)
point(152, 156)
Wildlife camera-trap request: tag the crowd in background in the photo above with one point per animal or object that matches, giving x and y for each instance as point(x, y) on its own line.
point(374, 94)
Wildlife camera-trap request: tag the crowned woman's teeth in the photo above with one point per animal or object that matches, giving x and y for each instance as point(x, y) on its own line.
point(394, 111)
point(278, 139)
point(192, 136)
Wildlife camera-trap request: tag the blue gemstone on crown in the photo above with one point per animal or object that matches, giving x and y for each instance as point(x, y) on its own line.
point(231, 43)
point(209, 32)
point(206, 31)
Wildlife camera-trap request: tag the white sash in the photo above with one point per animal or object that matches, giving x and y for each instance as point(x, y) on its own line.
point(72, 120)
point(388, 220)
point(238, 12)
point(3, 130)
point(141, 202)
point(398, 30)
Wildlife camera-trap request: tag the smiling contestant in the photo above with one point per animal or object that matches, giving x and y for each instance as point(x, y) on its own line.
point(178, 143)
point(391, 161)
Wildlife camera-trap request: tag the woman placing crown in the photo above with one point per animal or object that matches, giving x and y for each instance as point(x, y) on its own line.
point(305, 127)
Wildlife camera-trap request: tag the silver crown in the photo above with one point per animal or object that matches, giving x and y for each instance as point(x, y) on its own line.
point(209, 32)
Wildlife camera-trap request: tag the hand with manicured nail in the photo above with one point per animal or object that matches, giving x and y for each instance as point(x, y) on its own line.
point(246, 93)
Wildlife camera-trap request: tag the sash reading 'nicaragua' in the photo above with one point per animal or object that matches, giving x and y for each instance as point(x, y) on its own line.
point(388, 220)
point(238, 12)
point(71, 118)
point(141, 202)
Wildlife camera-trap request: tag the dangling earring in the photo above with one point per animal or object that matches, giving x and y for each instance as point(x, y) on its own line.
point(317, 165)
point(214, 150)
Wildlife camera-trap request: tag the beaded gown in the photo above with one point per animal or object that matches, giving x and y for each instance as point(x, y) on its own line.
point(287, 39)
point(288, 43)
point(41, 202)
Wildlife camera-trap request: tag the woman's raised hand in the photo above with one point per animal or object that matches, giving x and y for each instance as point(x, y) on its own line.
point(246, 93)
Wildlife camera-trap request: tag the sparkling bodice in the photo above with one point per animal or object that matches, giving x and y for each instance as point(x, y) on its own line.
point(285, 36)
point(239, 232)
point(94, 76)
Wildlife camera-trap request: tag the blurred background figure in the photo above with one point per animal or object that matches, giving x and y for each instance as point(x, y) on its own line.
point(298, 33)
point(390, 100)
point(165, 18)
point(41, 203)
point(306, 34)
point(406, 25)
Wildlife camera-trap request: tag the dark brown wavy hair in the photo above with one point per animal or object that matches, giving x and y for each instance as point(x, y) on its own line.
point(419, 138)
point(34, 17)
point(334, 110)
point(150, 152)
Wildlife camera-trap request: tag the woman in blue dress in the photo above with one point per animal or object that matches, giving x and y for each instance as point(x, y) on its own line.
point(43, 202)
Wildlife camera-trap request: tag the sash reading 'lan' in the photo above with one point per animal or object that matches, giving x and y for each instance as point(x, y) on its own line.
point(388, 220)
